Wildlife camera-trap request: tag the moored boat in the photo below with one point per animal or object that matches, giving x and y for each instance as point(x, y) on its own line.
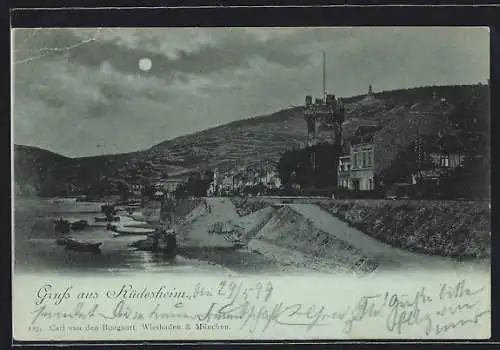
point(72, 244)
point(125, 230)
point(161, 241)
point(79, 225)
point(104, 219)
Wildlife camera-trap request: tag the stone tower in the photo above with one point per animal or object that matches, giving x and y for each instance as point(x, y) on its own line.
point(323, 118)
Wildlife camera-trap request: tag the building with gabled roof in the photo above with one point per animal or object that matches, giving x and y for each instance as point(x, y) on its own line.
point(357, 164)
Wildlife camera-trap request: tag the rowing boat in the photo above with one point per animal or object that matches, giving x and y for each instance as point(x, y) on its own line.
point(126, 230)
point(78, 246)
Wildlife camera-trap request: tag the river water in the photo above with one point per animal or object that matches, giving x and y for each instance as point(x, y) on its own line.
point(35, 249)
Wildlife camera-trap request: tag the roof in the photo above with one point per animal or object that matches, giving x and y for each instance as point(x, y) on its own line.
point(366, 129)
point(357, 127)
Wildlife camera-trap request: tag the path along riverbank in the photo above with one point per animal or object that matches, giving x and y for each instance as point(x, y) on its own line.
point(301, 237)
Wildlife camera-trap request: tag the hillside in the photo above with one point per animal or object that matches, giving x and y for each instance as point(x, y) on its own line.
point(36, 169)
point(401, 113)
point(244, 142)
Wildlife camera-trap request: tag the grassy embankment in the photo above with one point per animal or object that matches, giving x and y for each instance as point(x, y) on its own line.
point(246, 206)
point(289, 233)
point(455, 229)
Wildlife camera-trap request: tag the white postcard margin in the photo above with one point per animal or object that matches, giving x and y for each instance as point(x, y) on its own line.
point(148, 306)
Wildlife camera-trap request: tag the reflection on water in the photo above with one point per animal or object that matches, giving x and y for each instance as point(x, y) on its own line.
point(37, 251)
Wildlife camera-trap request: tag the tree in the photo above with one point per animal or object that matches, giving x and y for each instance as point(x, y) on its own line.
point(122, 189)
point(471, 180)
point(148, 189)
point(108, 211)
point(325, 173)
point(208, 174)
point(295, 162)
point(295, 167)
point(196, 185)
point(181, 191)
point(471, 118)
point(406, 162)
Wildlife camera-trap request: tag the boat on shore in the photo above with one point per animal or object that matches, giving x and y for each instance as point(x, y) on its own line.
point(65, 225)
point(63, 200)
point(126, 230)
point(104, 219)
point(72, 244)
point(79, 225)
point(161, 241)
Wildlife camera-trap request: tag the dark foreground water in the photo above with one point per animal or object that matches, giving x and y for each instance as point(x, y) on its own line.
point(35, 249)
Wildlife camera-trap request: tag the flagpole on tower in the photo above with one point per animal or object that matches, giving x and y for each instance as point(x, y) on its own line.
point(324, 76)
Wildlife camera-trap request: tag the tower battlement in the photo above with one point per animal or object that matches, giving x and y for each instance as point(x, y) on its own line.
point(324, 115)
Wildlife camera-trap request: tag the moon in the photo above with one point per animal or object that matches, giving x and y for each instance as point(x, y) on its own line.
point(145, 64)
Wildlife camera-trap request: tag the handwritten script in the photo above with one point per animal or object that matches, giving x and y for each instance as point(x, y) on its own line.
point(257, 307)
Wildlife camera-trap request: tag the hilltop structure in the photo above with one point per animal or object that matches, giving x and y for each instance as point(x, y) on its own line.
point(370, 95)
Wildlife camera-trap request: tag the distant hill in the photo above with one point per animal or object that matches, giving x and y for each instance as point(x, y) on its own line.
point(38, 170)
point(401, 114)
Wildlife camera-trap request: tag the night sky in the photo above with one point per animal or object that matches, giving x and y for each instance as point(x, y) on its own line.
point(83, 92)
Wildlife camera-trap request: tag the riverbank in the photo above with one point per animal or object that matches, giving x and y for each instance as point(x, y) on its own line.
point(460, 230)
point(196, 242)
point(330, 237)
point(36, 250)
point(275, 239)
point(454, 229)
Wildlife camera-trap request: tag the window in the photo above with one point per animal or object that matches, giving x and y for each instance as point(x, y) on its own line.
point(370, 155)
point(364, 159)
point(355, 160)
point(445, 161)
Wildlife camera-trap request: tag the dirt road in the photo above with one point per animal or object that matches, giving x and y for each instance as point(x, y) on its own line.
point(196, 233)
